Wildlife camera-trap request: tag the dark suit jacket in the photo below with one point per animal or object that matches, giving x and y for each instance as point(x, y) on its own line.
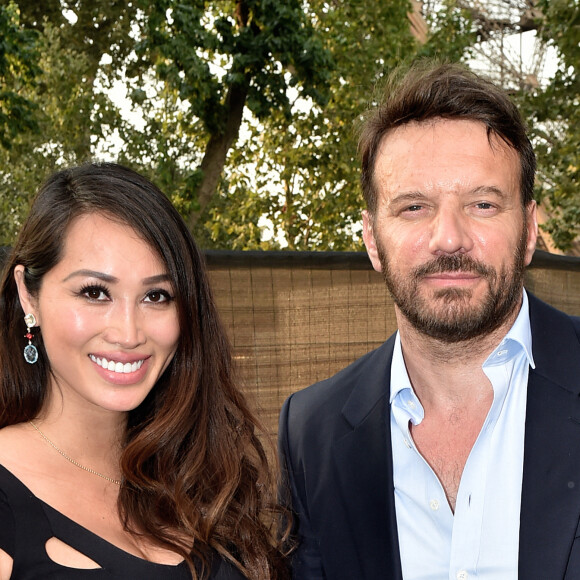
point(335, 443)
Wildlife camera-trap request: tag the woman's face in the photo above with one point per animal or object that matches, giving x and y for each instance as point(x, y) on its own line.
point(107, 314)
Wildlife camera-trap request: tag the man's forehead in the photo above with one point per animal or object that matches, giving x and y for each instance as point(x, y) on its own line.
point(418, 131)
point(447, 154)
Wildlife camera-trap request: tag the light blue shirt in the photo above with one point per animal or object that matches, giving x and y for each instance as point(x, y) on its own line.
point(481, 539)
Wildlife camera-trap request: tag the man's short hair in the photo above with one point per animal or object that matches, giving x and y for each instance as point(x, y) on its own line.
point(428, 91)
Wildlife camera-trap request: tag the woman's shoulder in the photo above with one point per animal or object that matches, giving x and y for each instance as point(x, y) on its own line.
point(15, 452)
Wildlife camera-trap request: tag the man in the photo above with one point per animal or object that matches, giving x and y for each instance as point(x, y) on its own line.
point(453, 450)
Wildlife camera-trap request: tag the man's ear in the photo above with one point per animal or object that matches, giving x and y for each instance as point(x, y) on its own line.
point(532, 230)
point(27, 301)
point(369, 240)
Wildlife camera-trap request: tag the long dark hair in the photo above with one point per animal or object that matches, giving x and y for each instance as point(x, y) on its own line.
point(427, 90)
point(193, 466)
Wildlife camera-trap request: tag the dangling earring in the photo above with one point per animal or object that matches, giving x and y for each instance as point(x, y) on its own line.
point(30, 352)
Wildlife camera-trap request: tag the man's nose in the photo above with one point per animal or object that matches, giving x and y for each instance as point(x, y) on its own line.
point(450, 233)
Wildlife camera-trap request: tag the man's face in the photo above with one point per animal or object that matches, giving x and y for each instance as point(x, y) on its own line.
point(449, 232)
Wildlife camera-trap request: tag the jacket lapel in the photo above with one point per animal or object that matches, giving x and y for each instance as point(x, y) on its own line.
point(550, 508)
point(364, 471)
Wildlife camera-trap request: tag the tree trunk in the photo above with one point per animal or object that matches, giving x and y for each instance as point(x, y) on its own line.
point(217, 148)
point(216, 152)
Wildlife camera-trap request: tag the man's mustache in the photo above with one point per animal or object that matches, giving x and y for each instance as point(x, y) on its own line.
point(453, 263)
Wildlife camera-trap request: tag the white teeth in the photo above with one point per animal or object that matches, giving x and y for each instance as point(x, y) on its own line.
point(117, 367)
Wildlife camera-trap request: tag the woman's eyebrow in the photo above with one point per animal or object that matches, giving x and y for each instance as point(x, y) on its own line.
point(156, 279)
point(92, 274)
point(113, 279)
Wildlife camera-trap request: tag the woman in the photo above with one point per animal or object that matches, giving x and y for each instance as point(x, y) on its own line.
point(126, 450)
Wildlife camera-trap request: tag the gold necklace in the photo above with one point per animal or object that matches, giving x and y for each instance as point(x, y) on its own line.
point(115, 481)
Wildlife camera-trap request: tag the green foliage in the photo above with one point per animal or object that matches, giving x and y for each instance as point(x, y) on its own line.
point(213, 61)
point(554, 114)
point(73, 117)
point(18, 69)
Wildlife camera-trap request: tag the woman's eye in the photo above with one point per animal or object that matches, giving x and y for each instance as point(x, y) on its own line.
point(157, 296)
point(95, 293)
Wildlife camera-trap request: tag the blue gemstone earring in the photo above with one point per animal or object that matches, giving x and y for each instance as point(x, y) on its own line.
point(30, 352)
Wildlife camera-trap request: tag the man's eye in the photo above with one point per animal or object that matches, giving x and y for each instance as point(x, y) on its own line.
point(484, 205)
point(415, 207)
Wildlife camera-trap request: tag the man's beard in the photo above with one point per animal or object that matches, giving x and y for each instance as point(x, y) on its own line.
point(447, 314)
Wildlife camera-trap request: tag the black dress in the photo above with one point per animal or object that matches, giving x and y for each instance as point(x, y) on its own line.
point(27, 523)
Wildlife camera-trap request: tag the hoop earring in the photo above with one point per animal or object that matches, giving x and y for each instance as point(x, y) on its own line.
point(30, 352)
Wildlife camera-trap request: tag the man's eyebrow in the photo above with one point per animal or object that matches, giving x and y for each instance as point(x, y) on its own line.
point(113, 279)
point(418, 196)
point(408, 197)
point(489, 189)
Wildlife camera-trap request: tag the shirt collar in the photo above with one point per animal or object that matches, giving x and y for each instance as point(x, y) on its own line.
point(519, 337)
point(399, 376)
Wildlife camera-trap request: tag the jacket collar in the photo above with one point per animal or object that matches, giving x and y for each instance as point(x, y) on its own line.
point(372, 385)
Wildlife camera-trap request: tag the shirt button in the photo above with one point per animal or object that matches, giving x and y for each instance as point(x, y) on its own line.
point(411, 404)
point(462, 575)
point(434, 505)
point(501, 352)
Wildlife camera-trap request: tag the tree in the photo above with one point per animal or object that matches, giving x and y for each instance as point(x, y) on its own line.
point(18, 69)
point(214, 61)
point(72, 114)
point(554, 112)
